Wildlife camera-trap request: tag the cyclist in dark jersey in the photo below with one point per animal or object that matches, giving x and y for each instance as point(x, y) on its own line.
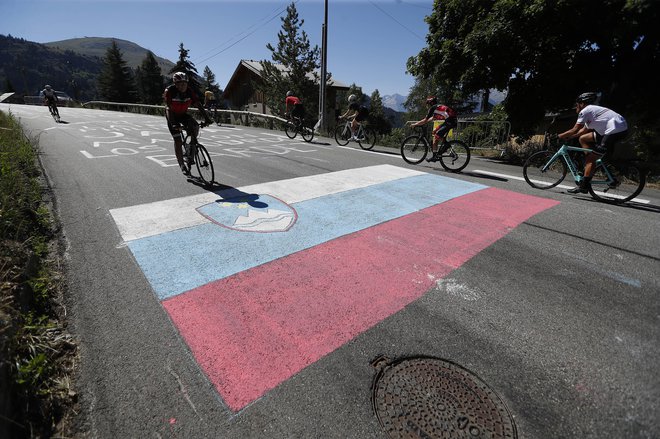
point(357, 113)
point(436, 114)
point(178, 97)
point(50, 98)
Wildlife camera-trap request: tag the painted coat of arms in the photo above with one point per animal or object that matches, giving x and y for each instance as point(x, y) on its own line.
point(251, 213)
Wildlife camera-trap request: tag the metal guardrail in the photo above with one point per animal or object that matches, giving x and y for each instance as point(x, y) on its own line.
point(484, 134)
point(244, 117)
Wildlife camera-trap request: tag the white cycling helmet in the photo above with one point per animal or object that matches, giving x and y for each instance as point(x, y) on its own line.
point(179, 77)
point(352, 98)
point(289, 93)
point(48, 87)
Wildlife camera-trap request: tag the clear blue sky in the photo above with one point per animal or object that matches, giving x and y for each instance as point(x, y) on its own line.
point(369, 41)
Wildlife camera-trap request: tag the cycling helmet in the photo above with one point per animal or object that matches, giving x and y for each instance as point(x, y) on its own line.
point(289, 93)
point(587, 98)
point(431, 100)
point(48, 87)
point(179, 77)
point(352, 98)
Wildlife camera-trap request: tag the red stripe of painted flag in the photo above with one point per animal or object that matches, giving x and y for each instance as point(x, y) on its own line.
point(251, 331)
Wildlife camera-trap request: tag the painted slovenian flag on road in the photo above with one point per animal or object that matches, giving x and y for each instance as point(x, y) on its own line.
point(265, 280)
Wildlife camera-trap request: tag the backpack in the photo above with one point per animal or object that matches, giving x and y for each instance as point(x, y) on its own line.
point(363, 110)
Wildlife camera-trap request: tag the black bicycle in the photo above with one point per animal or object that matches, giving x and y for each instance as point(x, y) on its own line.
point(296, 125)
point(194, 153)
point(454, 154)
point(54, 111)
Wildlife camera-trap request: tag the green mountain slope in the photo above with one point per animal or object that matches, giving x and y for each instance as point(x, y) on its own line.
point(71, 66)
point(97, 46)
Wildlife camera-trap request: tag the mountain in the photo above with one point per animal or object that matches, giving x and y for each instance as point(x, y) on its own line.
point(71, 66)
point(97, 46)
point(395, 102)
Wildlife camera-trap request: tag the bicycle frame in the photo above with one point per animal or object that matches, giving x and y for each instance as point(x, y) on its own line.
point(572, 167)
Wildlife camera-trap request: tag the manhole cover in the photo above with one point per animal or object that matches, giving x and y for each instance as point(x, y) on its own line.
point(433, 398)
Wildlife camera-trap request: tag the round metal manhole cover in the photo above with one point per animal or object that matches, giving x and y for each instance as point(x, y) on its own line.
point(433, 398)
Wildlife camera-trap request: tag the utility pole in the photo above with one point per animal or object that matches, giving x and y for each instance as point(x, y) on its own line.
point(324, 69)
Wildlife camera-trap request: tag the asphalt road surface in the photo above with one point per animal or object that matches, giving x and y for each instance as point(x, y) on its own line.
point(257, 307)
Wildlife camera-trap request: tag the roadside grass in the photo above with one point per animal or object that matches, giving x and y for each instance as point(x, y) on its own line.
point(37, 355)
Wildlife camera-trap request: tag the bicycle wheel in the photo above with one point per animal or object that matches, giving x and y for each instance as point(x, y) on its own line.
point(456, 156)
point(414, 149)
point(368, 139)
point(291, 130)
point(204, 164)
point(343, 135)
point(537, 177)
point(307, 133)
point(628, 182)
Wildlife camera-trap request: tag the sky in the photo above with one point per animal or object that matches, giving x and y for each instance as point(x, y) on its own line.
point(369, 41)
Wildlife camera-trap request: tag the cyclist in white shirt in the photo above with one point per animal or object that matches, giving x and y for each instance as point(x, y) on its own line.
point(597, 128)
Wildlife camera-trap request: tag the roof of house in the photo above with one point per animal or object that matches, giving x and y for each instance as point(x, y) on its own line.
point(255, 67)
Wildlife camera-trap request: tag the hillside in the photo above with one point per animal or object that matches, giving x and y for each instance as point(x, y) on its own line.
point(71, 66)
point(97, 47)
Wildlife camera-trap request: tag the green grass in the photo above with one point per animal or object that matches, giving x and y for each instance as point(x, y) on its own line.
point(36, 354)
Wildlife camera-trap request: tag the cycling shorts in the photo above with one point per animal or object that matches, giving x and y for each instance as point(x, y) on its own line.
point(450, 122)
point(605, 143)
point(184, 119)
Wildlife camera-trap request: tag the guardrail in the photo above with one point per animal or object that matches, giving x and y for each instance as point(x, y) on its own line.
point(237, 117)
point(484, 134)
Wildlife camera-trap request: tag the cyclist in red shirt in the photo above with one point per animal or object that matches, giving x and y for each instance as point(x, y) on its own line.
point(178, 97)
point(298, 110)
point(438, 113)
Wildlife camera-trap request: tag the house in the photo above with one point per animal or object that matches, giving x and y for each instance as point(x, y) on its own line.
point(240, 92)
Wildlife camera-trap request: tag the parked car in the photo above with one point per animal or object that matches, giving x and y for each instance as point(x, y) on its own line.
point(62, 98)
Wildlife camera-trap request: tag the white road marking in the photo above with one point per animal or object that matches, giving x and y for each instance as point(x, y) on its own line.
point(152, 219)
point(562, 186)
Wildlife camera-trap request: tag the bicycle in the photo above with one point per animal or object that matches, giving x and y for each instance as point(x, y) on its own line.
point(365, 135)
point(54, 111)
point(198, 154)
point(454, 154)
point(295, 125)
point(613, 182)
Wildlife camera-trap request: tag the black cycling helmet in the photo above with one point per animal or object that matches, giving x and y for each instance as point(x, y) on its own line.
point(431, 100)
point(587, 98)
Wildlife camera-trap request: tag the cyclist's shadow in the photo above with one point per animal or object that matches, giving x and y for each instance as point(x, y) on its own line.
point(230, 194)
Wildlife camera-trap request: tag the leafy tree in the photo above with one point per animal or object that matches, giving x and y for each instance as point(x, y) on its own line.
point(184, 64)
point(298, 61)
point(149, 80)
point(377, 117)
point(545, 53)
point(116, 81)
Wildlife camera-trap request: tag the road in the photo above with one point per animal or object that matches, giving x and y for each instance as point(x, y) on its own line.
point(257, 309)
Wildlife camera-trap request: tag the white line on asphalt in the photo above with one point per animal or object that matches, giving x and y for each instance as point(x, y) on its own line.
point(562, 186)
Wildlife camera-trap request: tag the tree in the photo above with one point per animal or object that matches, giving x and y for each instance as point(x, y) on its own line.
point(116, 82)
point(208, 82)
point(545, 53)
point(377, 117)
point(184, 64)
point(298, 61)
point(149, 80)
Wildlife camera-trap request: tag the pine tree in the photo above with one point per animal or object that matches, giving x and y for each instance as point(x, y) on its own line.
point(299, 59)
point(209, 83)
point(116, 81)
point(377, 117)
point(150, 80)
point(184, 64)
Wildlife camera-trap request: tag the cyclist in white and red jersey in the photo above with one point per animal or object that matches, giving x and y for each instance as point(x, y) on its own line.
point(598, 129)
point(178, 97)
point(438, 112)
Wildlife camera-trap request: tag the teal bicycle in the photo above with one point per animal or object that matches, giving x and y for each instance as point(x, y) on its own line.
point(613, 182)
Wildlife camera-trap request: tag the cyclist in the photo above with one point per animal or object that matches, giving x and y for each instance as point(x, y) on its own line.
point(357, 113)
point(50, 98)
point(178, 97)
point(444, 119)
point(293, 102)
point(598, 129)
